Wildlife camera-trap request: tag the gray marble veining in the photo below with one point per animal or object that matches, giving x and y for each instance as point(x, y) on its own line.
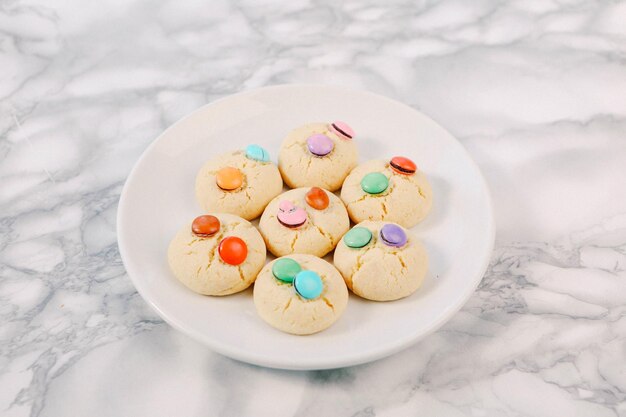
point(536, 91)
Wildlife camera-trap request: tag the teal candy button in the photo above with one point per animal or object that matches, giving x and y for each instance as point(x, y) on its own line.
point(374, 183)
point(257, 153)
point(357, 237)
point(308, 284)
point(286, 269)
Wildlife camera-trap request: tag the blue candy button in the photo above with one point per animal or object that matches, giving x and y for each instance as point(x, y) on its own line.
point(257, 153)
point(308, 284)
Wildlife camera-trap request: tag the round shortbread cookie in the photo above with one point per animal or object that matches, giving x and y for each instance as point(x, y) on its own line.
point(300, 167)
point(322, 228)
point(280, 305)
point(378, 270)
point(197, 261)
point(259, 180)
point(406, 200)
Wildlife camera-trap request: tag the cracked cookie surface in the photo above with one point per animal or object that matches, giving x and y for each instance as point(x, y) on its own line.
point(317, 236)
point(195, 261)
point(406, 201)
point(380, 272)
point(261, 183)
point(300, 168)
point(280, 306)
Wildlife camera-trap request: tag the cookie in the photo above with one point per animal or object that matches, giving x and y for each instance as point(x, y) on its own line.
point(318, 155)
point(239, 182)
point(381, 261)
point(394, 191)
point(217, 254)
point(304, 220)
point(300, 294)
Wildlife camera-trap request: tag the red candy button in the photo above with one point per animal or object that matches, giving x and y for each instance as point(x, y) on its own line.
point(317, 198)
point(233, 250)
point(403, 165)
point(205, 226)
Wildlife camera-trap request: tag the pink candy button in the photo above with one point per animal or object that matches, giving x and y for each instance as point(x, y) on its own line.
point(290, 215)
point(342, 129)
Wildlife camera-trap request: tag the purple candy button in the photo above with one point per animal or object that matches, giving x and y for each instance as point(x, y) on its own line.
point(319, 144)
point(393, 235)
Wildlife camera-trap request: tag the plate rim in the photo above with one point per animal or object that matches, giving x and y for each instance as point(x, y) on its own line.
point(356, 358)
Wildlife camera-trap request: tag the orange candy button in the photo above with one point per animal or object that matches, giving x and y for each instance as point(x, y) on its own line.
point(317, 198)
point(205, 226)
point(229, 178)
point(403, 165)
point(233, 250)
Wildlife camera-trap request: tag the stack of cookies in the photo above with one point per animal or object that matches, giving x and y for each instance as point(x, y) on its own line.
point(222, 253)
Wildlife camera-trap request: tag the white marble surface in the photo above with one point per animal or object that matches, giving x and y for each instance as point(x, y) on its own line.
point(535, 89)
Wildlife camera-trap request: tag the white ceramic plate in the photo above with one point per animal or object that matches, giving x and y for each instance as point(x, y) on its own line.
point(158, 199)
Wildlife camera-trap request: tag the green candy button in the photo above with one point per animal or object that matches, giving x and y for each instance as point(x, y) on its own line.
point(357, 237)
point(374, 183)
point(286, 269)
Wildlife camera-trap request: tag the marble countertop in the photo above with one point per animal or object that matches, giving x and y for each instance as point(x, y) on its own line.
point(535, 90)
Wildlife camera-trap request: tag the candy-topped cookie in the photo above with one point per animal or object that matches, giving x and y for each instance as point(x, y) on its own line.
point(240, 182)
point(318, 155)
point(217, 254)
point(300, 294)
point(381, 261)
point(304, 220)
point(394, 190)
